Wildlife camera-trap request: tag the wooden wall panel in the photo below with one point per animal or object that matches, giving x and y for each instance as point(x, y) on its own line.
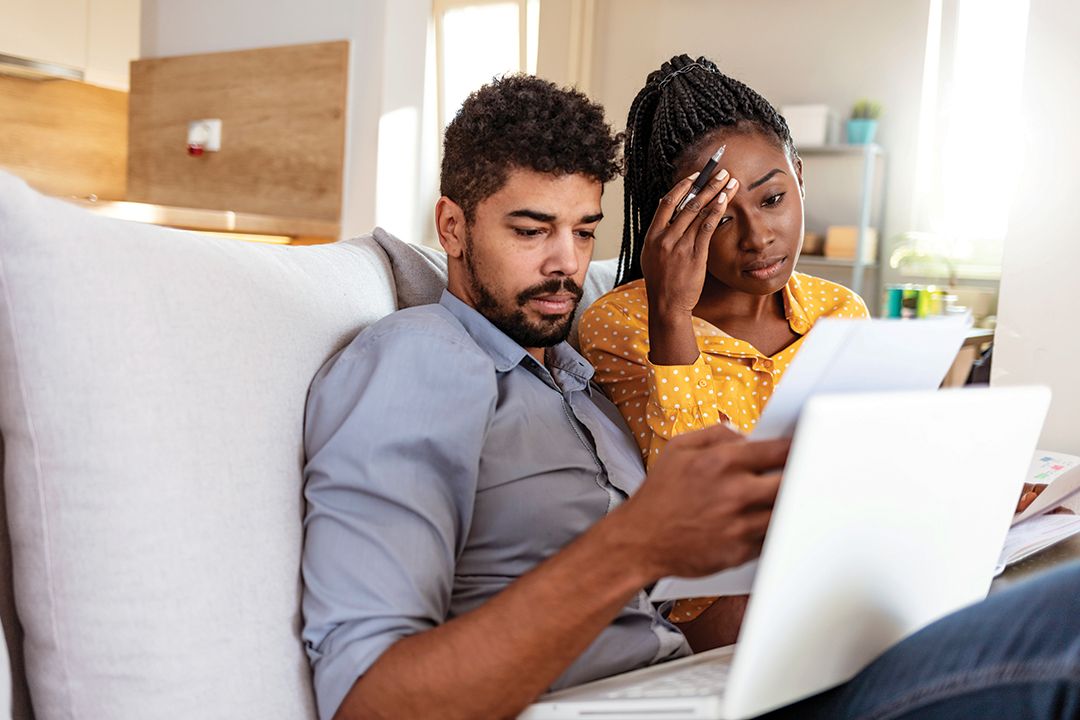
point(64, 137)
point(283, 130)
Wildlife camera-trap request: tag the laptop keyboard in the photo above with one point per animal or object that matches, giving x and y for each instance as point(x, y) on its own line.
point(706, 678)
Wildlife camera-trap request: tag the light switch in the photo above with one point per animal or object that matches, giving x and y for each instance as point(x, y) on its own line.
point(204, 136)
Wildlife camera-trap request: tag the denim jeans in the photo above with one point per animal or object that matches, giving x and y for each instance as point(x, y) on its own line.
point(1014, 655)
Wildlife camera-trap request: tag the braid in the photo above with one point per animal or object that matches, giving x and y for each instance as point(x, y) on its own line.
point(681, 102)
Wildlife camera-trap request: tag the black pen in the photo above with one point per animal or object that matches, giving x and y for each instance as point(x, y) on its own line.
point(702, 179)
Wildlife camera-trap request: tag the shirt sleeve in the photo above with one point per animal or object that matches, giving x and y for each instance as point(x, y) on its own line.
point(657, 401)
point(849, 305)
point(682, 398)
point(855, 307)
point(389, 485)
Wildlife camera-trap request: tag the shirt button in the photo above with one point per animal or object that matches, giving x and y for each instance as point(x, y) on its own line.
point(767, 364)
point(702, 383)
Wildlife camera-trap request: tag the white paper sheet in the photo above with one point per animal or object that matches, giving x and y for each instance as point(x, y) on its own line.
point(736, 581)
point(845, 356)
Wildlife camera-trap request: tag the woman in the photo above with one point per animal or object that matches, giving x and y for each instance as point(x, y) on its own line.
point(709, 311)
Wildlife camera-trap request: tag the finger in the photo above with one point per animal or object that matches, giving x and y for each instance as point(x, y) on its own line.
point(1025, 501)
point(749, 528)
point(754, 524)
point(763, 455)
point(681, 223)
point(666, 209)
point(709, 221)
point(712, 435)
point(759, 490)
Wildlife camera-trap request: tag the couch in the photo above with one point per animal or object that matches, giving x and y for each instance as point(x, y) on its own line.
point(152, 389)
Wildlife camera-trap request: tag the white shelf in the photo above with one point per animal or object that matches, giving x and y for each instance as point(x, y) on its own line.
point(871, 159)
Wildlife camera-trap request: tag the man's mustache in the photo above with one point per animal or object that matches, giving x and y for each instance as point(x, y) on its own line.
point(551, 287)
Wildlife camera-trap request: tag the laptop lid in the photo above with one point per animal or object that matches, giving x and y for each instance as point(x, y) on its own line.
point(892, 513)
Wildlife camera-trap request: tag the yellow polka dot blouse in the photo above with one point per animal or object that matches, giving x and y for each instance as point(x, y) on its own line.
point(731, 380)
point(729, 383)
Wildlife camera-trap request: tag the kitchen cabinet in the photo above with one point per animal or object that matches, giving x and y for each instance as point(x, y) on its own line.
point(99, 37)
point(49, 31)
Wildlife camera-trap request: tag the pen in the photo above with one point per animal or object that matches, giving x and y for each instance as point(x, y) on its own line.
point(702, 179)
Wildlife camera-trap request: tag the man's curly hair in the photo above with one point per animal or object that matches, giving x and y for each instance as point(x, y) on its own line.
point(521, 121)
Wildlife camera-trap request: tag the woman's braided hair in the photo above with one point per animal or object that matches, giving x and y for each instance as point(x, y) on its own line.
point(681, 103)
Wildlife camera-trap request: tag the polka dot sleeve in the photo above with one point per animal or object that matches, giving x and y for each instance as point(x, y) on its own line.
point(854, 307)
point(658, 402)
point(617, 346)
point(682, 398)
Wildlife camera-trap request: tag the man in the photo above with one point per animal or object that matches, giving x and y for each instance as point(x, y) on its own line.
point(479, 526)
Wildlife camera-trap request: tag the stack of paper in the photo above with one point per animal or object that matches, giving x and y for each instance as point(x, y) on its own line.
point(1034, 530)
point(1036, 534)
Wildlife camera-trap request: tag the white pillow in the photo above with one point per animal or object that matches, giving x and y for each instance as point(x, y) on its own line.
point(152, 389)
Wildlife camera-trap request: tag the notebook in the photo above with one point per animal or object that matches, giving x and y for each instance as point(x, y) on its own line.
point(891, 514)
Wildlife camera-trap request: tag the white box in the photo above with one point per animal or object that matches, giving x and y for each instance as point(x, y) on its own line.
point(810, 125)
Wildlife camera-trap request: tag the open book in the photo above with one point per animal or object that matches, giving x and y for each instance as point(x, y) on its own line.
point(1034, 529)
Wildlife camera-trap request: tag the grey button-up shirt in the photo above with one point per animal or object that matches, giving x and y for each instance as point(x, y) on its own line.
point(444, 462)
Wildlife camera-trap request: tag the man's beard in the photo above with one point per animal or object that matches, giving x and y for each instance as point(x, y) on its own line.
point(549, 330)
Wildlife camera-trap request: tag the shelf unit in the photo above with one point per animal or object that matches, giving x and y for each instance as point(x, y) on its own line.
point(871, 183)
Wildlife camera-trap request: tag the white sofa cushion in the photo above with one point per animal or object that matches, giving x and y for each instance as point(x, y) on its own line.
point(152, 389)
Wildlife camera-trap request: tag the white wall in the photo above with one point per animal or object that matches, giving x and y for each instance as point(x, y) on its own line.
point(1036, 339)
point(112, 41)
point(387, 56)
point(791, 51)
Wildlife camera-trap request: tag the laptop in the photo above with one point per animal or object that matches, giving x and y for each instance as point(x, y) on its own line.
point(891, 514)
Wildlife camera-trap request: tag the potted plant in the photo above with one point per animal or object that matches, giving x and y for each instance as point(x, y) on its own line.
point(863, 123)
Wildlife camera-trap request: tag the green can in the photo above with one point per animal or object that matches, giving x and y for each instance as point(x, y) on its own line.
point(929, 302)
point(923, 302)
point(894, 300)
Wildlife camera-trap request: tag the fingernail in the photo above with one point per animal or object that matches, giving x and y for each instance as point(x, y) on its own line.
point(694, 176)
point(731, 184)
point(721, 198)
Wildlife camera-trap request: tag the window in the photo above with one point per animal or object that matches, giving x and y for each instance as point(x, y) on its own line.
point(971, 138)
point(477, 40)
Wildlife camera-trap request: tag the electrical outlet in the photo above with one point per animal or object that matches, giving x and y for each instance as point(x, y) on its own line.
point(204, 136)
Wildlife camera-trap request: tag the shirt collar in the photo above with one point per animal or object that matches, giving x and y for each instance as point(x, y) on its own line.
point(797, 316)
point(573, 371)
point(719, 342)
